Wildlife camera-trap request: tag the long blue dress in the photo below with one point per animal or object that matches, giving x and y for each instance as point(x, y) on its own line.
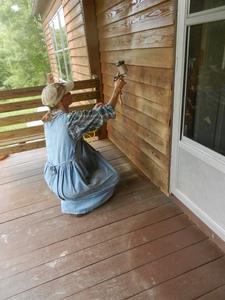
point(77, 173)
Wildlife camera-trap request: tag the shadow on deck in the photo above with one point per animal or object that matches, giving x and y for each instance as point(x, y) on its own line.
point(139, 245)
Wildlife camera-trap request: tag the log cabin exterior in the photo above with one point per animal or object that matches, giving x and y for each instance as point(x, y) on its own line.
point(127, 248)
point(148, 36)
point(147, 46)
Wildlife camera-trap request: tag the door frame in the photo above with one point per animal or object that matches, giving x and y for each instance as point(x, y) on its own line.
point(178, 140)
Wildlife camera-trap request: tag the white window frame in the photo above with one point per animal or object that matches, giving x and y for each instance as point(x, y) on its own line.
point(55, 46)
point(185, 19)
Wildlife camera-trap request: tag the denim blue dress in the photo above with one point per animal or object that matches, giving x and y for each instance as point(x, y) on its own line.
point(77, 173)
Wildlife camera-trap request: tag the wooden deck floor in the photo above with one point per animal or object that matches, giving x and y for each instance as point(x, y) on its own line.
point(137, 246)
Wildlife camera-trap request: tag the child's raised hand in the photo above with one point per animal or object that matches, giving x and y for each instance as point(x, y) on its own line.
point(119, 83)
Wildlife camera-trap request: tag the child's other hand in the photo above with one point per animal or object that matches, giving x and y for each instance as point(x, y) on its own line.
point(97, 105)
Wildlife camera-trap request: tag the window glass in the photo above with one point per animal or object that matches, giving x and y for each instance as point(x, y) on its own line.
point(204, 118)
point(61, 18)
point(58, 65)
point(69, 65)
point(59, 38)
point(52, 35)
point(64, 34)
point(199, 5)
point(57, 29)
point(62, 65)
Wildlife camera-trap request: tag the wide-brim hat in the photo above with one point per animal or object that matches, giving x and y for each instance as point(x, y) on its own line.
point(52, 94)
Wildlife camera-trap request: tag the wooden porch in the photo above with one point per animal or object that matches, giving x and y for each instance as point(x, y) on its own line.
point(139, 245)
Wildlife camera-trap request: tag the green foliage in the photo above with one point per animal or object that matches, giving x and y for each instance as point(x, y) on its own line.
point(23, 56)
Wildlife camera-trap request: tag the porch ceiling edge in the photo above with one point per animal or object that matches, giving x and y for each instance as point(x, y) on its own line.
point(38, 6)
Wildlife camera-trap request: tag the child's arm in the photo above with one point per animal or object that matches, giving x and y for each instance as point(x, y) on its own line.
point(119, 84)
point(80, 122)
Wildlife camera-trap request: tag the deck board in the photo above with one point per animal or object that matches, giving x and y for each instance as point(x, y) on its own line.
point(217, 294)
point(200, 280)
point(137, 245)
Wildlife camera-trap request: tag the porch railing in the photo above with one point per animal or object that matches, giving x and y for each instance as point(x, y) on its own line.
point(21, 112)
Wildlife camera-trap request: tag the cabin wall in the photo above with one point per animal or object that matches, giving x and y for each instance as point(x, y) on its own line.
point(75, 34)
point(142, 33)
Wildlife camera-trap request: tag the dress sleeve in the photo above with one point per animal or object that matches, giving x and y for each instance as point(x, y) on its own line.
point(81, 122)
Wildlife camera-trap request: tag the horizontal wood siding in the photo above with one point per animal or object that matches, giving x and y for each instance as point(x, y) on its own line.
point(48, 14)
point(142, 33)
point(76, 38)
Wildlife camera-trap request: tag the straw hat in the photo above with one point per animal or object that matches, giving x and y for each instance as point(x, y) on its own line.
point(52, 94)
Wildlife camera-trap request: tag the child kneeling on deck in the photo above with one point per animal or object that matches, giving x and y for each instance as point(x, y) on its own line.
point(75, 171)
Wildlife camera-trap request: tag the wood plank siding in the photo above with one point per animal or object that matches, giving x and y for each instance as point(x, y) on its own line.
point(76, 38)
point(142, 33)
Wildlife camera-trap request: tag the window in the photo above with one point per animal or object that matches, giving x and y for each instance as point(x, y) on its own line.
point(60, 44)
point(204, 94)
point(200, 5)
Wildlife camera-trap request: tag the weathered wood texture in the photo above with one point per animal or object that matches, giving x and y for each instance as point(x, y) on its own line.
point(76, 38)
point(137, 245)
point(47, 15)
point(143, 34)
point(26, 138)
